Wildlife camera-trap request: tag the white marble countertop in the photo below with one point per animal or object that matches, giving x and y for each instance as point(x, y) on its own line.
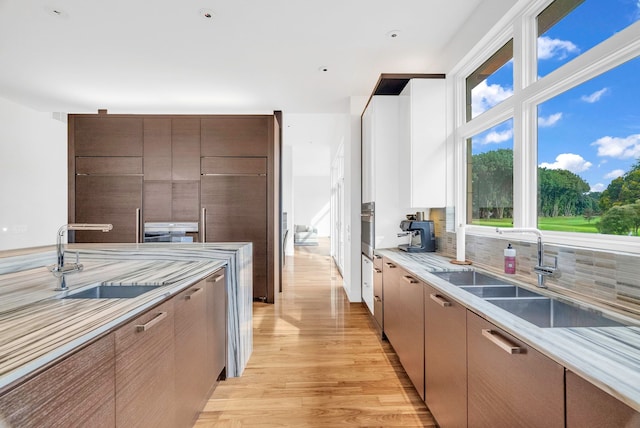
point(38, 327)
point(608, 357)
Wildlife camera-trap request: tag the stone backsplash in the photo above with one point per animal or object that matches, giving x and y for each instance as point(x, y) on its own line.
point(609, 277)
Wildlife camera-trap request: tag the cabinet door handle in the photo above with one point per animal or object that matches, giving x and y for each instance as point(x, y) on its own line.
point(377, 298)
point(138, 228)
point(216, 278)
point(390, 265)
point(440, 300)
point(155, 320)
point(196, 291)
point(203, 219)
point(501, 342)
point(375, 256)
point(377, 270)
point(410, 279)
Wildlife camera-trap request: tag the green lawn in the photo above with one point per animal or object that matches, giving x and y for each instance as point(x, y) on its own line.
point(562, 224)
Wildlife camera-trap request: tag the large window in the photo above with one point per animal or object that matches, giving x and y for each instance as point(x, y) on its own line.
point(588, 147)
point(574, 135)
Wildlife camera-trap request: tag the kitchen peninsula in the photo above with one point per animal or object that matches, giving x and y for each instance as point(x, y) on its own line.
point(41, 329)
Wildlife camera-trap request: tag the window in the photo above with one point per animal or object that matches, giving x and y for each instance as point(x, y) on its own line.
point(491, 83)
point(491, 171)
point(588, 146)
point(567, 28)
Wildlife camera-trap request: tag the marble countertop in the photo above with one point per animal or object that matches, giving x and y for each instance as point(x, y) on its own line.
point(608, 357)
point(37, 326)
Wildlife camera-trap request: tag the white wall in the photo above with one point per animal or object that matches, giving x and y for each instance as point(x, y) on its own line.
point(33, 176)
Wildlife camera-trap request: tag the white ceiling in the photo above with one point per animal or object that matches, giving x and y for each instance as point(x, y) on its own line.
point(253, 56)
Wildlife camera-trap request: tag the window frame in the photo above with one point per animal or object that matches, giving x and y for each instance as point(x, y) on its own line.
point(528, 93)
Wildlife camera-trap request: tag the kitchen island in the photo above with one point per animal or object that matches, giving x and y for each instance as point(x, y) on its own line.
point(38, 326)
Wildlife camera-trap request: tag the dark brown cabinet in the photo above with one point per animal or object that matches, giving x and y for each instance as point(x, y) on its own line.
point(190, 334)
point(590, 407)
point(237, 136)
point(404, 320)
point(102, 135)
point(234, 198)
point(78, 391)
point(510, 384)
point(145, 370)
point(445, 358)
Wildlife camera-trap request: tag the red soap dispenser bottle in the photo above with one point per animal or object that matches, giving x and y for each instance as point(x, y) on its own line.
point(510, 260)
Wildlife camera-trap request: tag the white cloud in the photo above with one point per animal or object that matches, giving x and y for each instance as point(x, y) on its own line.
point(620, 148)
point(497, 137)
point(595, 96)
point(569, 161)
point(550, 48)
point(614, 174)
point(485, 96)
point(599, 187)
point(545, 122)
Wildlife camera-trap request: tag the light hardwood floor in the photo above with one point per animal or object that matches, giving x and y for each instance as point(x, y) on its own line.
point(316, 362)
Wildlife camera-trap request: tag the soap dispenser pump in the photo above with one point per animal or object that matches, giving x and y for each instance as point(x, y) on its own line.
point(510, 260)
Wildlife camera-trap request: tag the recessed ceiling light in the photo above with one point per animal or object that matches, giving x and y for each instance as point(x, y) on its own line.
point(56, 11)
point(206, 13)
point(323, 68)
point(393, 34)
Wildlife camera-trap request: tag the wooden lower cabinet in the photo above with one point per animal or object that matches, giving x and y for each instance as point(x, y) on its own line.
point(378, 310)
point(190, 334)
point(510, 384)
point(404, 320)
point(590, 407)
point(79, 391)
point(145, 370)
point(445, 358)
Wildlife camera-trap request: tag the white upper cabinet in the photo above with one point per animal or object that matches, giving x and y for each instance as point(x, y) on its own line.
point(422, 144)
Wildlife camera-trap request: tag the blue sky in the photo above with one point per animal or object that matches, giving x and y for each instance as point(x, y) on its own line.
point(592, 130)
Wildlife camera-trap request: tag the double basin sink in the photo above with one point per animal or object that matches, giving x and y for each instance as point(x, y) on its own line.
point(536, 308)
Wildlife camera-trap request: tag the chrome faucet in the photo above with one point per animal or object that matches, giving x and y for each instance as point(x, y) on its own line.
point(60, 268)
point(540, 269)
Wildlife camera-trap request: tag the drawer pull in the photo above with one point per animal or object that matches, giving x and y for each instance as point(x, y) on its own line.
point(390, 265)
point(216, 278)
point(196, 291)
point(410, 279)
point(155, 320)
point(501, 342)
point(377, 298)
point(377, 257)
point(440, 300)
point(377, 270)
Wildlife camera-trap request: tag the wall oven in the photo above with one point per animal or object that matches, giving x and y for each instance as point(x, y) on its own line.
point(171, 232)
point(367, 225)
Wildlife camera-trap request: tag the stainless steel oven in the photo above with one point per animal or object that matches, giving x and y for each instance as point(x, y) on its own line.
point(171, 232)
point(367, 226)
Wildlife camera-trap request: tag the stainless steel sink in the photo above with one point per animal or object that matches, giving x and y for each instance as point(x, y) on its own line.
point(470, 278)
point(547, 312)
point(489, 291)
point(112, 292)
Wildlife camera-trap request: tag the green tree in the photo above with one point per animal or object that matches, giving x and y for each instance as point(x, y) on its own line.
point(492, 183)
point(561, 193)
point(623, 190)
point(618, 220)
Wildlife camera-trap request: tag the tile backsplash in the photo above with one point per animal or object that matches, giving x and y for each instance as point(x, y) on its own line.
point(607, 276)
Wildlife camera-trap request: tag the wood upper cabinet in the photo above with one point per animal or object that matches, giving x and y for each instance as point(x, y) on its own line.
point(145, 370)
point(236, 135)
point(190, 336)
point(108, 136)
point(185, 149)
point(510, 384)
point(78, 391)
point(157, 149)
point(404, 320)
point(216, 293)
point(590, 407)
point(445, 358)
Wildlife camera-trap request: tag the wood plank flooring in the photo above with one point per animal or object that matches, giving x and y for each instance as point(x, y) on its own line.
point(316, 362)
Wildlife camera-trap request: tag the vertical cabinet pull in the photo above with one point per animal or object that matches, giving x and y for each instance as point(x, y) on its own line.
point(203, 227)
point(409, 279)
point(440, 300)
point(138, 224)
point(155, 320)
point(195, 292)
point(501, 342)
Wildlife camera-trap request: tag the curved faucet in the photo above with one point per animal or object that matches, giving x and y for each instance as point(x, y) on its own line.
point(540, 269)
point(60, 268)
